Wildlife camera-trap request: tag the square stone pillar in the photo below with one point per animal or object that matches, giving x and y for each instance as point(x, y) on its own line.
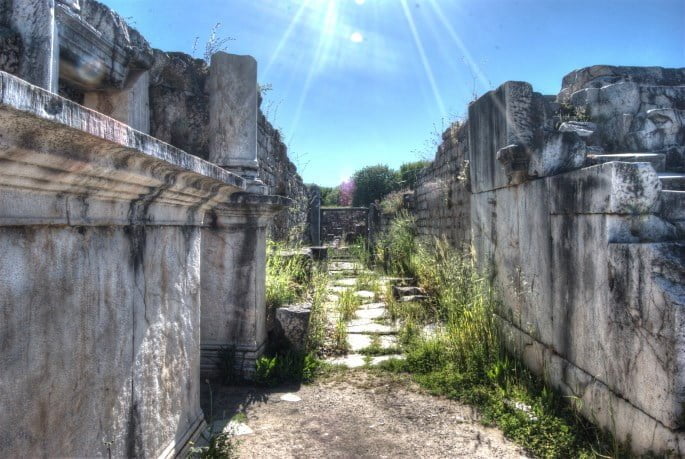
point(34, 21)
point(233, 108)
point(233, 312)
point(130, 105)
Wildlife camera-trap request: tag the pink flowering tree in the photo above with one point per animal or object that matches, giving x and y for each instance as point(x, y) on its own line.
point(346, 192)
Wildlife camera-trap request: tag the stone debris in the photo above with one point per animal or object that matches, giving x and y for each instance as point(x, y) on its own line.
point(399, 292)
point(413, 298)
point(290, 397)
point(366, 295)
point(345, 282)
point(238, 429)
point(372, 328)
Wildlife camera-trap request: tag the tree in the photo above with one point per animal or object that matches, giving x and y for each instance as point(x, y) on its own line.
point(373, 182)
point(330, 196)
point(409, 173)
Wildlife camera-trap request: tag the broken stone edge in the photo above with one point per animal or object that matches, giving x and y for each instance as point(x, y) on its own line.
point(66, 164)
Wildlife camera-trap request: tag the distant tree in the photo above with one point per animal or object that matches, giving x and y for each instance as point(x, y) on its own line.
point(330, 196)
point(347, 190)
point(373, 182)
point(409, 173)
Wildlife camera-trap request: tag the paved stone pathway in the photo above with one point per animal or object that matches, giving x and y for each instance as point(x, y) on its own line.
point(371, 327)
point(358, 413)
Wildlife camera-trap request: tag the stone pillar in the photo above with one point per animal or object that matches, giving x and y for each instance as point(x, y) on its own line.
point(34, 21)
point(315, 216)
point(233, 313)
point(130, 105)
point(233, 107)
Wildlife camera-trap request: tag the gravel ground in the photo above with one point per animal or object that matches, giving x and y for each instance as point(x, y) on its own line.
point(356, 413)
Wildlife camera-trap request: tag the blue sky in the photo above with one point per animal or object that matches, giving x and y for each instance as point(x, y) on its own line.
point(363, 82)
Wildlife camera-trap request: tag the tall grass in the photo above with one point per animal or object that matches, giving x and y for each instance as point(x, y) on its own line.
point(465, 357)
point(287, 275)
point(394, 250)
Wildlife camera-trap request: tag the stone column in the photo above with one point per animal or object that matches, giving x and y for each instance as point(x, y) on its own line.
point(315, 215)
point(34, 21)
point(233, 108)
point(130, 105)
point(233, 313)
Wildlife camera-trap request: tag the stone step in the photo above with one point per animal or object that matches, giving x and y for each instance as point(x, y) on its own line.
point(658, 160)
point(399, 292)
point(674, 181)
point(673, 205)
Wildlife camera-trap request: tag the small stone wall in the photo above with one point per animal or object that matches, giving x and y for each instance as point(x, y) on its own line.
point(179, 110)
point(280, 174)
point(585, 242)
point(344, 223)
point(443, 192)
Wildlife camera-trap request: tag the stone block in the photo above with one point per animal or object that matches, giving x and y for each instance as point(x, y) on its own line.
point(610, 188)
point(232, 87)
point(293, 325)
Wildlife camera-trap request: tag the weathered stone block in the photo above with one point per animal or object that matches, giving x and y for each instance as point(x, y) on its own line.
point(293, 325)
point(610, 188)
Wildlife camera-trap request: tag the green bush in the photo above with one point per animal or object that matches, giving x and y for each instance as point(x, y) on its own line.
point(395, 249)
point(466, 359)
point(288, 367)
point(287, 275)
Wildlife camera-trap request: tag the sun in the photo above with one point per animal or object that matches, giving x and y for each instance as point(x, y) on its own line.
point(357, 37)
point(359, 2)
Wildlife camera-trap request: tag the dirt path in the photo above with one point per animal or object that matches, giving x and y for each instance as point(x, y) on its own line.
point(357, 413)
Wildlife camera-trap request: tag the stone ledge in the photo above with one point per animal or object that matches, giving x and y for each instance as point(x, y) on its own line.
point(66, 164)
point(596, 401)
point(609, 188)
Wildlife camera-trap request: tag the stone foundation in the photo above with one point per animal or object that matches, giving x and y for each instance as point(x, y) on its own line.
point(583, 241)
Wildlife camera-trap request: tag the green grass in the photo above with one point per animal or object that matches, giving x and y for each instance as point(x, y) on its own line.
point(316, 335)
point(466, 358)
point(288, 367)
point(287, 275)
point(348, 303)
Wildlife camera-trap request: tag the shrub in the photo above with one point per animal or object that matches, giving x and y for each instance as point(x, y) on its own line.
point(287, 275)
point(395, 248)
point(288, 367)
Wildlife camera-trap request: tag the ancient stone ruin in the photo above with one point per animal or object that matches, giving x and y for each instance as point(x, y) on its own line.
point(127, 262)
point(575, 205)
point(138, 188)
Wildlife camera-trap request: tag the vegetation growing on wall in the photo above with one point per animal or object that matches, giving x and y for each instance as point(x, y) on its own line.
point(464, 356)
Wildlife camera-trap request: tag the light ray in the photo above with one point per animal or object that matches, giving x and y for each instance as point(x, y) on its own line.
point(326, 36)
point(424, 59)
point(285, 37)
point(470, 61)
point(475, 68)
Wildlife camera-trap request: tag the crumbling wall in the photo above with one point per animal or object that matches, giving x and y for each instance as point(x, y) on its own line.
point(443, 192)
point(577, 211)
point(179, 111)
point(118, 249)
point(280, 174)
point(344, 223)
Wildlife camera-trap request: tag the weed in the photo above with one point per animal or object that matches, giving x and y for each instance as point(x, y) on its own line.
point(340, 336)
point(395, 248)
point(348, 303)
point(375, 348)
point(287, 275)
point(220, 444)
point(466, 358)
point(317, 318)
point(287, 367)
